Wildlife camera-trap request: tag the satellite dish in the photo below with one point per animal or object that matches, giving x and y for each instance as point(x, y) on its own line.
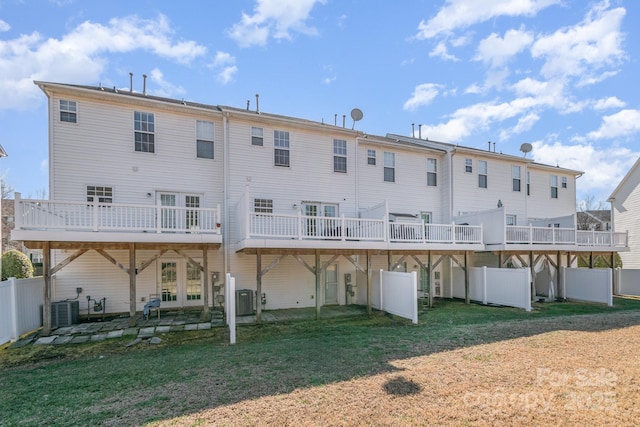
point(526, 148)
point(356, 115)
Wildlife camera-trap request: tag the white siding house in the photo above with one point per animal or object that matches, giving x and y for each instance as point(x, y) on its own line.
point(625, 214)
point(161, 197)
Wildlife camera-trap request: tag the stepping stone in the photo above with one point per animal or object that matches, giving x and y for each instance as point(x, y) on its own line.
point(176, 328)
point(130, 331)
point(79, 339)
point(46, 340)
point(98, 337)
point(22, 342)
point(178, 322)
point(64, 331)
point(166, 322)
point(163, 329)
point(155, 340)
point(191, 327)
point(202, 326)
point(65, 339)
point(134, 342)
point(115, 334)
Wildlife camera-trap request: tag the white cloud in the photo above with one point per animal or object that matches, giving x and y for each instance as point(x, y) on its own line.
point(4, 26)
point(496, 51)
point(610, 102)
point(329, 80)
point(273, 18)
point(80, 56)
point(165, 88)
point(597, 181)
point(422, 95)
point(456, 14)
point(441, 51)
point(224, 63)
point(621, 124)
point(525, 123)
point(584, 49)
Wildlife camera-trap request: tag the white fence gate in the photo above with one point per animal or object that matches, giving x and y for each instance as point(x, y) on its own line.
point(628, 281)
point(588, 284)
point(396, 293)
point(503, 286)
point(20, 304)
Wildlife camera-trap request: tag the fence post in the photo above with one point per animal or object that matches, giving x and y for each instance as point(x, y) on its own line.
point(14, 309)
point(527, 293)
point(484, 285)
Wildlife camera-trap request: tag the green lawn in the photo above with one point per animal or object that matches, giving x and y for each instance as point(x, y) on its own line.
point(108, 383)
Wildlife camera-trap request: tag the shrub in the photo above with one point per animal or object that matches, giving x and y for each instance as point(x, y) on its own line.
point(16, 264)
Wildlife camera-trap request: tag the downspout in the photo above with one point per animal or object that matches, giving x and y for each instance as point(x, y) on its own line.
point(451, 154)
point(357, 186)
point(225, 174)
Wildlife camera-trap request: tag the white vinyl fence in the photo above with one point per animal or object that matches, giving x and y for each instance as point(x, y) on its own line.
point(20, 304)
point(396, 293)
point(587, 284)
point(628, 281)
point(503, 286)
point(230, 301)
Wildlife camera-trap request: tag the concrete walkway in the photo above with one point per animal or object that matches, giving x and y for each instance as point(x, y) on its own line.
point(174, 321)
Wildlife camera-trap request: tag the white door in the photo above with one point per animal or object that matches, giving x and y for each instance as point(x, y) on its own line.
point(331, 284)
point(168, 215)
point(180, 283)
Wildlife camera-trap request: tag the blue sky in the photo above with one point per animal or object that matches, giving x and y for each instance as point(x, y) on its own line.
point(559, 74)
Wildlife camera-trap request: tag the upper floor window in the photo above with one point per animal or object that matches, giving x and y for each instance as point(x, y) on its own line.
point(482, 173)
point(515, 177)
point(468, 165)
point(99, 194)
point(281, 148)
point(144, 127)
point(263, 205)
point(257, 136)
point(432, 172)
point(511, 219)
point(204, 139)
point(389, 167)
point(554, 186)
point(339, 155)
point(371, 157)
point(564, 182)
point(68, 111)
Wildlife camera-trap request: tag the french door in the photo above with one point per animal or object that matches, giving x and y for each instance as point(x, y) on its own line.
point(321, 227)
point(173, 217)
point(180, 283)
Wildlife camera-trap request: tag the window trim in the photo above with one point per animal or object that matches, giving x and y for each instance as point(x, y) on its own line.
point(432, 172)
point(388, 155)
point(516, 180)
point(371, 157)
point(339, 154)
point(261, 205)
point(468, 165)
point(485, 174)
point(553, 179)
point(255, 138)
point(281, 146)
point(203, 139)
point(105, 196)
point(68, 112)
point(563, 181)
point(151, 133)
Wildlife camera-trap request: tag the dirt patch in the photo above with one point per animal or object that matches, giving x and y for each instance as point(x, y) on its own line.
point(587, 374)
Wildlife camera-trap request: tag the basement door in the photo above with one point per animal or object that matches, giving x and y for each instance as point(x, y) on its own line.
point(331, 284)
point(180, 283)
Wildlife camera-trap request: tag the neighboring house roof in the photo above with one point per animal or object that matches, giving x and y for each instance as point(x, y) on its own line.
point(624, 180)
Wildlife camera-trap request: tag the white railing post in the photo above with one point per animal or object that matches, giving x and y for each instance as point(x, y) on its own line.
point(14, 309)
point(158, 217)
point(481, 232)
point(343, 230)
point(18, 210)
point(218, 219)
point(300, 225)
point(530, 234)
point(94, 206)
point(453, 232)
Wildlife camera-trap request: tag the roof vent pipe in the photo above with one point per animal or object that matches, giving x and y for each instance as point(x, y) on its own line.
point(257, 104)
point(335, 119)
point(344, 117)
point(494, 147)
point(420, 131)
point(489, 145)
point(144, 84)
point(130, 81)
point(413, 130)
point(248, 102)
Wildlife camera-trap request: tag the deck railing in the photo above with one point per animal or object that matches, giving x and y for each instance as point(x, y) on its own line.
point(114, 217)
point(563, 236)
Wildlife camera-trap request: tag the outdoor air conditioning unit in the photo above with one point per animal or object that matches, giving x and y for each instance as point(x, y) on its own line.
point(244, 302)
point(64, 313)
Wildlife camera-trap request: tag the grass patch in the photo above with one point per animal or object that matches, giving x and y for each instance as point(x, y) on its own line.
point(108, 383)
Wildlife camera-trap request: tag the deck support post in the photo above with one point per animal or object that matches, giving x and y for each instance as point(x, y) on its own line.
point(466, 278)
point(389, 261)
point(46, 273)
point(369, 284)
point(132, 284)
point(258, 285)
point(318, 275)
point(430, 281)
point(532, 267)
point(206, 316)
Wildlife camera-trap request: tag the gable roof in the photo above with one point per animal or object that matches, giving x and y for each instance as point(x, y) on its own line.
point(624, 180)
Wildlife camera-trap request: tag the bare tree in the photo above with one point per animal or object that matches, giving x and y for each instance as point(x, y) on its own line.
point(6, 188)
point(586, 209)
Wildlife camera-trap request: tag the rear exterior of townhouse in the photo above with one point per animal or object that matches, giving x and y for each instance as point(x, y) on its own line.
point(159, 197)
